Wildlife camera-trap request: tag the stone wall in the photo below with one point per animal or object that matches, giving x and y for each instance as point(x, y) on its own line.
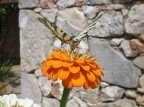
point(116, 41)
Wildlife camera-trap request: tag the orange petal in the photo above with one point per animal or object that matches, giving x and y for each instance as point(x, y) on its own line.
point(98, 72)
point(64, 73)
point(93, 84)
point(44, 69)
point(91, 76)
point(79, 61)
point(85, 67)
point(99, 80)
point(49, 75)
point(78, 79)
point(55, 74)
point(74, 69)
point(86, 85)
point(57, 64)
point(93, 66)
point(49, 62)
point(67, 83)
point(67, 64)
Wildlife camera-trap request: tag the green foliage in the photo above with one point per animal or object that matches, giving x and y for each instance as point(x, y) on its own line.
point(8, 8)
point(4, 71)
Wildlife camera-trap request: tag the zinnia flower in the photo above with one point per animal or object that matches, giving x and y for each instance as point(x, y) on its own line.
point(75, 70)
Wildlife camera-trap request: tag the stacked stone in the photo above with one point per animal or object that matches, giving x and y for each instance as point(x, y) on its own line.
point(116, 41)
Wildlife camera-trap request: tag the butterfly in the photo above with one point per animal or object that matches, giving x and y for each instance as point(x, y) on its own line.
point(65, 38)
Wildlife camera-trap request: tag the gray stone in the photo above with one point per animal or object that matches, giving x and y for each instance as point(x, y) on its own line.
point(140, 100)
point(37, 10)
point(140, 90)
point(50, 102)
point(135, 22)
point(35, 40)
point(142, 81)
point(103, 84)
point(109, 25)
point(117, 69)
point(30, 88)
point(117, 103)
point(114, 7)
point(93, 2)
point(71, 21)
point(89, 11)
point(49, 14)
point(116, 41)
point(47, 4)
point(28, 3)
point(65, 3)
point(125, 103)
point(112, 93)
point(57, 89)
point(125, 45)
point(38, 72)
point(76, 102)
point(125, 12)
point(139, 61)
point(83, 47)
point(45, 86)
point(89, 96)
point(121, 1)
point(130, 94)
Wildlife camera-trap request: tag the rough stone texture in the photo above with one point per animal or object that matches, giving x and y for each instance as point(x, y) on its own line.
point(93, 2)
point(38, 72)
point(109, 25)
point(65, 3)
point(57, 89)
point(71, 21)
point(76, 102)
point(140, 100)
point(140, 90)
point(125, 13)
point(90, 96)
point(116, 41)
point(139, 61)
point(35, 40)
point(125, 45)
point(47, 4)
point(137, 47)
point(90, 11)
point(121, 1)
point(117, 69)
point(142, 81)
point(130, 94)
point(112, 93)
point(38, 9)
point(135, 22)
point(117, 103)
point(125, 103)
point(103, 84)
point(114, 7)
point(30, 88)
point(45, 86)
point(49, 14)
point(28, 3)
point(49, 102)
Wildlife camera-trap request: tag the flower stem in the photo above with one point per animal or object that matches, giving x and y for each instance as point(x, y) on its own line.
point(64, 99)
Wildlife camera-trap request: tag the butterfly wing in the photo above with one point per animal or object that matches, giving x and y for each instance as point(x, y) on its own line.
point(87, 29)
point(65, 38)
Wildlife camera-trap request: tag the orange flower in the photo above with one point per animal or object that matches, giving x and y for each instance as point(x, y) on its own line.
point(74, 70)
